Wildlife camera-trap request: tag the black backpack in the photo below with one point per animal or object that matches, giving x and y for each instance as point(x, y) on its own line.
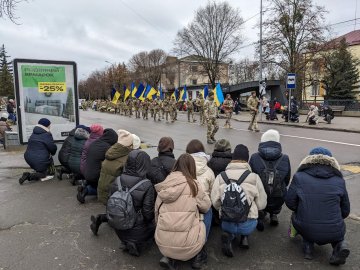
point(234, 204)
point(271, 178)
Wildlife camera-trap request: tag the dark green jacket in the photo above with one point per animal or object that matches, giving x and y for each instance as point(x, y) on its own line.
point(111, 167)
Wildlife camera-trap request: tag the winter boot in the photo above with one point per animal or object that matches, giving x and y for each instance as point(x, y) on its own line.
point(168, 263)
point(95, 224)
point(244, 242)
point(308, 249)
point(24, 177)
point(339, 255)
point(200, 259)
point(226, 245)
point(132, 249)
point(274, 220)
point(82, 192)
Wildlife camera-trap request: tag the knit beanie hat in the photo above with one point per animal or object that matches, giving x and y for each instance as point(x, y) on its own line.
point(320, 151)
point(271, 135)
point(84, 127)
point(125, 138)
point(136, 141)
point(241, 152)
point(166, 144)
point(5, 115)
point(44, 122)
point(222, 145)
point(97, 129)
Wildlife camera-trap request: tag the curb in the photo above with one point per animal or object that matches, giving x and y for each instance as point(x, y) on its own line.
point(300, 126)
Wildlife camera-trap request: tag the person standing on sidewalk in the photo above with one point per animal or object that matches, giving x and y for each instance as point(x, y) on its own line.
point(211, 112)
point(252, 104)
point(228, 109)
point(274, 170)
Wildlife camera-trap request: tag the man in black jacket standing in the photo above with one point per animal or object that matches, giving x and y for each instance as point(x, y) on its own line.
point(320, 202)
point(274, 169)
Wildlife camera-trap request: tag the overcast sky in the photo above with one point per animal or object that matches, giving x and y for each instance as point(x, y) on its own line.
point(91, 32)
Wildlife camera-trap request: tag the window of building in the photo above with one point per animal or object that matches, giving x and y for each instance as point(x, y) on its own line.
point(194, 68)
point(194, 82)
point(315, 90)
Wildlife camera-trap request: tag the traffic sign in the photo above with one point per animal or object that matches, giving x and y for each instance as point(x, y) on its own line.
point(291, 81)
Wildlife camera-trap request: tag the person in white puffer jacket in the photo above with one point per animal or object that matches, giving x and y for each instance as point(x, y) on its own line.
point(203, 173)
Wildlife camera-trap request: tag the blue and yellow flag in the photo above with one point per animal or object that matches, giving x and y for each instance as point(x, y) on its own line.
point(175, 94)
point(115, 95)
point(218, 95)
point(139, 91)
point(127, 93)
point(152, 91)
point(205, 91)
point(183, 94)
point(133, 90)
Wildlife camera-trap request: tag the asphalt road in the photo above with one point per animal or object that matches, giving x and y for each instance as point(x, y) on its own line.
point(42, 226)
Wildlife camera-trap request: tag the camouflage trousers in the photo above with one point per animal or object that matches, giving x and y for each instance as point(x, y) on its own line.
point(228, 118)
point(212, 128)
point(156, 112)
point(151, 112)
point(145, 114)
point(137, 113)
point(202, 117)
point(253, 121)
point(191, 112)
point(174, 115)
point(162, 113)
point(168, 115)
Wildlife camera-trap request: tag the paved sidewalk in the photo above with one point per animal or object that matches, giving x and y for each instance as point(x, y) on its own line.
point(339, 123)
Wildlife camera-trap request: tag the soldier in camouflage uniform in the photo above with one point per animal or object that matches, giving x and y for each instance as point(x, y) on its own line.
point(151, 108)
point(200, 101)
point(162, 110)
point(252, 104)
point(228, 106)
point(145, 108)
point(211, 113)
point(167, 108)
point(121, 107)
point(173, 109)
point(156, 105)
point(131, 105)
point(190, 109)
point(137, 104)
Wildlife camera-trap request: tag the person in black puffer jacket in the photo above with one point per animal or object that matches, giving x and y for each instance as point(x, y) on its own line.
point(221, 156)
point(135, 239)
point(39, 152)
point(81, 135)
point(95, 156)
point(320, 202)
point(162, 165)
point(270, 153)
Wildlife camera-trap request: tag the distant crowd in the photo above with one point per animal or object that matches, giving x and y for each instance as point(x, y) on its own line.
point(176, 201)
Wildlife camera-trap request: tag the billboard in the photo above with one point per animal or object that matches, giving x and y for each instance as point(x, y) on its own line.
point(46, 89)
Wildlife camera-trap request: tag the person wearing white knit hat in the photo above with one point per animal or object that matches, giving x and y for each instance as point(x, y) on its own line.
point(136, 141)
point(274, 169)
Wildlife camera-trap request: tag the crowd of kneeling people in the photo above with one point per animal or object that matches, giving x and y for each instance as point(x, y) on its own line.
point(176, 201)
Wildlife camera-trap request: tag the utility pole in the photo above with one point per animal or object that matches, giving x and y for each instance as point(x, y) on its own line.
point(261, 58)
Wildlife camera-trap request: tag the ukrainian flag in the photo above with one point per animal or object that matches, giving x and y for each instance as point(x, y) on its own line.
point(133, 89)
point(218, 95)
point(175, 94)
point(151, 92)
point(183, 95)
point(126, 93)
point(139, 91)
point(116, 96)
point(205, 91)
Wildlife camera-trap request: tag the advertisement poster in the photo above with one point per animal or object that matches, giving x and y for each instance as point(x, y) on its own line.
point(46, 89)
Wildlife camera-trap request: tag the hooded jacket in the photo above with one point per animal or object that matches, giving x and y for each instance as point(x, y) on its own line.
point(219, 160)
point(252, 187)
point(319, 199)
point(271, 151)
point(64, 152)
point(203, 173)
point(93, 137)
point(161, 167)
point(40, 148)
point(96, 155)
point(180, 232)
point(112, 167)
point(136, 167)
point(81, 135)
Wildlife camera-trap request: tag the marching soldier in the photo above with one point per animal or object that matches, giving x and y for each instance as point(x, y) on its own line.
point(156, 106)
point(190, 109)
point(211, 113)
point(173, 109)
point(252, 104)
point(200, 101)
point(145, 108)
point(137, 104)
point(131, 105)
point(167, 108)
point(228, 109)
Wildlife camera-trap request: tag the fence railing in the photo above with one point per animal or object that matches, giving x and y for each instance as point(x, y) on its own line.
point(350, 105)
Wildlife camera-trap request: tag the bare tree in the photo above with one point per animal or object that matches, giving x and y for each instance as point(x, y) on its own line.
point(213, 35)
point(7, 9)
point(148, 66)
point(293, 27)
point(243, 71)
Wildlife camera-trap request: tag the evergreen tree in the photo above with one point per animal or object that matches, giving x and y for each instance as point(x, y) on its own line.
point(6, 77)
point(341, 73)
